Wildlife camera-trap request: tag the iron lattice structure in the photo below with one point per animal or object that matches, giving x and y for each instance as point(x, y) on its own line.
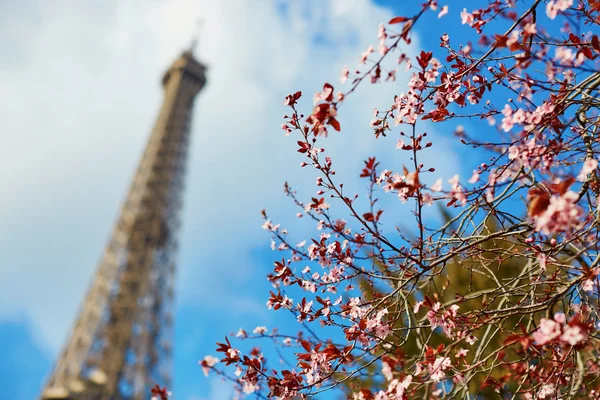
point(120, 345)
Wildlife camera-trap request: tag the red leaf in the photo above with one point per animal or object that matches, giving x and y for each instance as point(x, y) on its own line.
point(424, 58)
point(362, 324)
point(334, 122)
point(397, 20)
point(437, 115)
point(588, 53)
point(305, 344)
point(304, 147)
point(595, 43)
point(501, 41)
point(574, 39)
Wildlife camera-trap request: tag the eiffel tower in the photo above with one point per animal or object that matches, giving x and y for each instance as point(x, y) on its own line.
point(120, 345)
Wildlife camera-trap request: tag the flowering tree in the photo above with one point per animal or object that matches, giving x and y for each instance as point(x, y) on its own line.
point(499, 296)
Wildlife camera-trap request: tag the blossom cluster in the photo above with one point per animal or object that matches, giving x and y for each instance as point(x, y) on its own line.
point(496, 295)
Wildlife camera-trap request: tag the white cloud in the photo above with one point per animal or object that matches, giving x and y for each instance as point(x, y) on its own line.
point(219, 390)
point(80, 88)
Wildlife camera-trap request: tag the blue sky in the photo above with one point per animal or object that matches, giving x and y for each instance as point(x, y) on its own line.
point(81, 85)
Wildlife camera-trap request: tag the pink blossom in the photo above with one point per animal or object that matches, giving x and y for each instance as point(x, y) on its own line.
point(418, 305)
point(547, 331)
point(443, 11)
point(530, 28)
point(519, 116)
point(462, 352)
point(381, 35)
point(532, 154)
point(232, 353)
point(513, 38)
point(554, 6)
point(313, 251)
point(260, 330)
point(249, 388)
point(437, 186)
point(375, 325)
point(547, 391)
point(573, 335)
point(241, 333)
point(366, 54)
point(565, 56)
point(439, 366)
point(287, 129)
point(306, 307)
point(549, 71)
point(325, 95)
point(587, 285)
point(470, 339)
point(562, 215)
point(208, 363)
point(588, 167)
point(507, 121)
point(542, 258)
point(561, 318)
point(386, 370)
point(344, 75)
point(475, 177)
point(427, 199)
point(457, 192)
point(399, 387)
point(466, 17)
point(266, 225)
point(309, 286)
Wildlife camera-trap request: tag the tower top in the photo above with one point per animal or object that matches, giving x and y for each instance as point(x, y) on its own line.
point(187, 64)
point(190, 67)
point(196, 37)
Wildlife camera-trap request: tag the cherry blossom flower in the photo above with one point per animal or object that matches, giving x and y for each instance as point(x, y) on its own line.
point(241, 333)
point(398, 388)
point(562, 215)
point(418, 305)
point(366, 54)
point(536, 134)
point(438, 368)
point(547, 391)
point(207, 363)
point(344, 75)
point(554, 6)
point(457, 192)
point(530, 28)
point(437, 186)
point(573, 335)
point(443, 11)
point(587, 285)
point(466, 17)
point(475, 177)
point(588, 167)
point(260, 330)
point(462, 352)
point(547, 331)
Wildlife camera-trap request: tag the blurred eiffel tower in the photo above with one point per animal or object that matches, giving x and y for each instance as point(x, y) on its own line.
point(120, 345)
